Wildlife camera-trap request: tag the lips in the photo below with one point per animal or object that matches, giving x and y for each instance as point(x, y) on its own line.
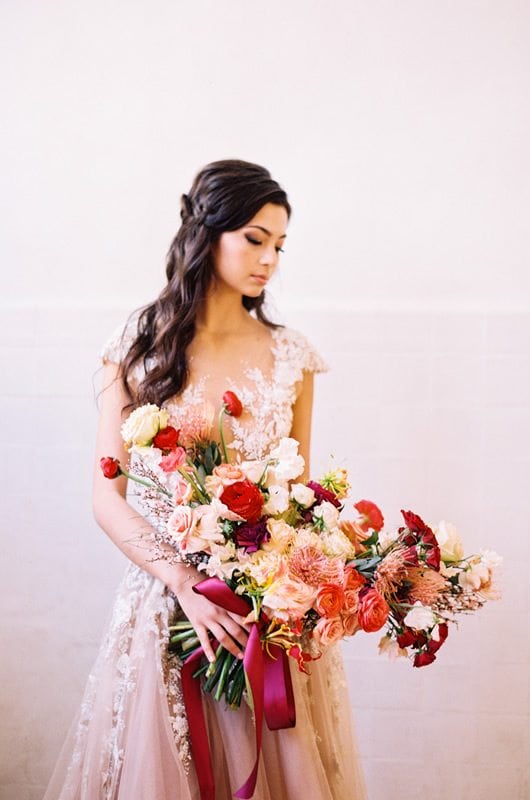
point(260, 278)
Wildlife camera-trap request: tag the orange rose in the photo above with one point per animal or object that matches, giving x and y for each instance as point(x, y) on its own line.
point(328, 631)
point(350, 624)
point(373, 610)
point(353, 579)
point(351, 601)
point(330, 599)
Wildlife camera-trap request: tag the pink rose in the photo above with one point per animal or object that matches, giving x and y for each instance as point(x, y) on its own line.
point(175, 459)
point(182, 492)
point(181, 524)
point(328, 631)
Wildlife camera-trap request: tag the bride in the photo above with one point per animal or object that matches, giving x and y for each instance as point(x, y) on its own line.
point(205, 333)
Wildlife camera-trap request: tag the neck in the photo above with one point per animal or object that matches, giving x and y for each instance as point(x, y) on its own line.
point(222, 313)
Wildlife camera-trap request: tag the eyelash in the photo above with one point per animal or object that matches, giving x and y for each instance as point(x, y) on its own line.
point(255, 241)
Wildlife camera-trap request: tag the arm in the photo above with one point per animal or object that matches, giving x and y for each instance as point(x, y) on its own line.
point(122, 523)
point(301, 426)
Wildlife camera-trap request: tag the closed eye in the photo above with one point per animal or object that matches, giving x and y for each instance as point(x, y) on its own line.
point(256, 241)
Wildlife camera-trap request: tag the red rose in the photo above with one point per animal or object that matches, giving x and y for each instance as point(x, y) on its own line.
point(110, 467)
point(243, 498)
point(371, 515)
point(167, 438)
point(233, 405)
point(422, 659)
point(373, 610)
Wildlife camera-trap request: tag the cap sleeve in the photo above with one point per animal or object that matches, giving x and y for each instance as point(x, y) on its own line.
point(119, 342)
point(295, 355)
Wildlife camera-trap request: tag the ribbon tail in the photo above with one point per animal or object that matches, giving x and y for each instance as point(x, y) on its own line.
point(280, 711)
point(253, 663)
point(192, 695)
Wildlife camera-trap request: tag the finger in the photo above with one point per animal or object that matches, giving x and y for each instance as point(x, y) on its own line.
point(206, 645)
point(225, 639)
point(240, 621)
point(236, 631)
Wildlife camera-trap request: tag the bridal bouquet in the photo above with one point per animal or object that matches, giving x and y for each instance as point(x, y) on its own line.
point(277, 551)
point(307, 577)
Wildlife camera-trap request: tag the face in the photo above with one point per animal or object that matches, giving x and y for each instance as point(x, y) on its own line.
point(245, 259)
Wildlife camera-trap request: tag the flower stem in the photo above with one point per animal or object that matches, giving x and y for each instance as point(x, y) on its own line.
point(144, 482)
point(221, 431)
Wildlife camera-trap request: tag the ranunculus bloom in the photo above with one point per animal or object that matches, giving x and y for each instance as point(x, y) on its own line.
point(244, 498)
point(175, 459)
point(110, 467)
point(422, 659)
point(167, 438)
point(371, 516)
point(373, 610)
point(329, 600)
point(353, 579)
point(232, 404)
point(327, 631)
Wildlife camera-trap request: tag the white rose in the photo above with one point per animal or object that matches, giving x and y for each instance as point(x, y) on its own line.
point(142, 425)
point(386, 538)
point(448, 538)
point(253, 469)
point(336, 545)
point(420, 617)
point(490, 559)
point(304, 495)
point(328, 513)
point(278, 500)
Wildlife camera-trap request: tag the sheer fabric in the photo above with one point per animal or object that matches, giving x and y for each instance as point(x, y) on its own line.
point(129, 740)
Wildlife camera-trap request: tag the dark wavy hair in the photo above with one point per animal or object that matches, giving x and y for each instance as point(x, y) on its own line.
point(225, 195)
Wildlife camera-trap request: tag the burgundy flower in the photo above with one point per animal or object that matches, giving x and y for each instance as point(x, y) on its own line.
point(251, 535)
point(110, 467)
point(323, 494)
point(422, 659)
point(406, 638)
point(434, 645)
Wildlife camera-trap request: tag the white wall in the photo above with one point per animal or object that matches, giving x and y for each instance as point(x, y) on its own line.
point(400, 133)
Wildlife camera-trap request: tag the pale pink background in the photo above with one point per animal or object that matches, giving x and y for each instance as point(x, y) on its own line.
point(400, 132)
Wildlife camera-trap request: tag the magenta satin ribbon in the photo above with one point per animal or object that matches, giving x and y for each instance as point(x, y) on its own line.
point(270, 683)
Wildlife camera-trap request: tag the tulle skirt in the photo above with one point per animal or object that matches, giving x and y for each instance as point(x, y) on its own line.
point(129, 740)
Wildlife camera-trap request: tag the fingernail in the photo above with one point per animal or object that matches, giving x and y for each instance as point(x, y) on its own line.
point(240, 656)
point(211, 659)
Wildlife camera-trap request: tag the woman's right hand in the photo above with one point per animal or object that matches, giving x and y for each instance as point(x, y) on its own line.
point(228, 628)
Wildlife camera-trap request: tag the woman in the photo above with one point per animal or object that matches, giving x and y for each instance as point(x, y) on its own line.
point(207, 332)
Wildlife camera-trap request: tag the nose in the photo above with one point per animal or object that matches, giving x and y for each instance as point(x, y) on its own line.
point(269, 257)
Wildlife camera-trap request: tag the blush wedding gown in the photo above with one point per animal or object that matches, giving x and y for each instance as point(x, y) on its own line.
point(129, 739)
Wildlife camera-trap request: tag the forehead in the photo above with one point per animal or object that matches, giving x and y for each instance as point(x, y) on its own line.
point(272, 217)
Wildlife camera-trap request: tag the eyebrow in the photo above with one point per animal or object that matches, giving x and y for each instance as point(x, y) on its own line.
point(266, 231)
